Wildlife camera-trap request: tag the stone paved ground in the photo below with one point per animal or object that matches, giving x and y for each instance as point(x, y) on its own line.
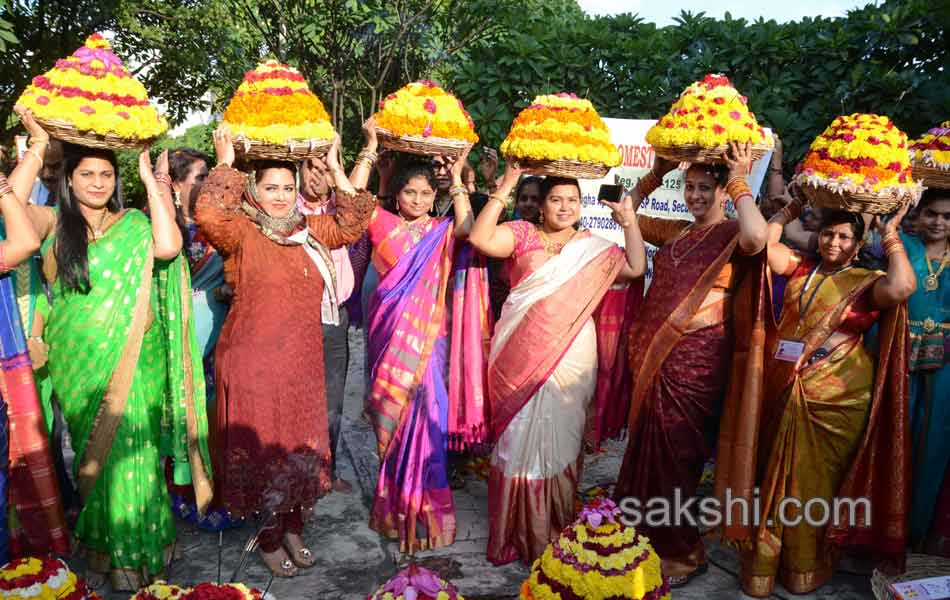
point(352, 559)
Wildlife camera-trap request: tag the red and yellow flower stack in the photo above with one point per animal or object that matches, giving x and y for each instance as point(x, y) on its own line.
point(273, 114)
point(423, 118)
point(160, 591)
point(90, 98)
point(203, 591)
point(931, 157)
point(561, 134)
point(42, 579)
point(707, 116)
point(860, 163)
point(597, 558)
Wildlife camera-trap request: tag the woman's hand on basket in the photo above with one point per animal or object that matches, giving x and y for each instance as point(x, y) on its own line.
point(457, 164)
point(36, 131)
point(739, 159)
point(223, 146)
point(662, 166)
point(369, 134)
point(892, 225)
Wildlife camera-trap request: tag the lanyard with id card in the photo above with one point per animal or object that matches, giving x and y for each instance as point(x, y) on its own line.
point(789, 350)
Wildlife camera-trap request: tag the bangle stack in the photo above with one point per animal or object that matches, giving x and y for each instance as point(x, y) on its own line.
point(892, 244)
point(505, 202)
point(367, 157)
point(647, 184)
point(5, 186)
point(455, 190)
point(163, 178)
point(30, 150)
point(738, 188)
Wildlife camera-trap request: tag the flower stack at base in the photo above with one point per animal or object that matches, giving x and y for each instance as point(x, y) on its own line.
point(416, 583)
point(597, 558)
point(422, 118)
point(42, 579)
point(160, 591)
point(90, 98)
point(860, 163)
point(224, 591)
point(708, 115)
point(274, 116)
point(561, 135)
point(931, 157)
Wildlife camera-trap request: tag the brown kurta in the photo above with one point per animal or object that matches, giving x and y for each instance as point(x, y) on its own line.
point(271, 444)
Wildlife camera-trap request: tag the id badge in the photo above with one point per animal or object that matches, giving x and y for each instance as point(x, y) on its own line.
point(789, 350)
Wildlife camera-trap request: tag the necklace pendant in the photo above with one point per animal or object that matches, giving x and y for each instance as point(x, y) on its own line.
point(931, 284)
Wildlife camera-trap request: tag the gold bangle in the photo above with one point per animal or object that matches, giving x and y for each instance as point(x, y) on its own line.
point(30, 150)
point(504, 203)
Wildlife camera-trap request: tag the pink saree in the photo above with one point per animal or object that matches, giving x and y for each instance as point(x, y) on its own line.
point(542, 374)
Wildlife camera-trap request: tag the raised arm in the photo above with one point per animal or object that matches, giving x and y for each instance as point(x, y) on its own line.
point(24, 175)
point(901, 281)
point(218, 208)
point(367, 157)
point(166, 236)
point(353, 208)
point(486, 236)
point(653, 230)
point(21, 238)
point(753, 230)
point(782, 259)
point(459, 192)
point(625, 214)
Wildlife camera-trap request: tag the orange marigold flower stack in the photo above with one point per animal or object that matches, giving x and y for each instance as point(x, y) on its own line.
point(597, 557)
point(274, 106)
point(423, 118)
point(708, 115)
point(560, 129)
point(90, 98)
point(861, 157)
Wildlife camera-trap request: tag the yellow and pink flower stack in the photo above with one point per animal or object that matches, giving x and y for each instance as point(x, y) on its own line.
point(931, 156)
point(859, 156)
point(42, 579)
point(93, 92)
point(597, 558)
point(160, 591)
point(416, 583)
point(274, 105)
point(424, 113)
point(561, 127)
point(708, 114)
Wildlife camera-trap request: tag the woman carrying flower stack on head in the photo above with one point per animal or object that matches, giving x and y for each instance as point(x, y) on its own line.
point(413, 410)
point(272, 448)
point(542, 369)
point(833, 415)
point(123, 360)
point(695, 323)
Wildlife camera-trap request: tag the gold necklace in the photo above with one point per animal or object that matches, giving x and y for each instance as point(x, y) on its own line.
point(706, 229)
point(551, 246)
point(97, 232)
point(932, 283)
point(416, 228)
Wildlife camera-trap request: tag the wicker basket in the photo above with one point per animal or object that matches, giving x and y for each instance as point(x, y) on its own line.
point(293, 151)
point(67, 132)
point(919, 566)
point(875, 204)
point(703, 154)
point(574, 169)
point(932, 176)
point(416, 144)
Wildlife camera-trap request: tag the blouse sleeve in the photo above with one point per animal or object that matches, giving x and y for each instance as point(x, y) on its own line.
point(658, 231)
point(218, 209)
point(524, 233)
point(352, 216)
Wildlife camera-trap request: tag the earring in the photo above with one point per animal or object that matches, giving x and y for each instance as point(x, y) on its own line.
point(541, 218)
point(177, 199)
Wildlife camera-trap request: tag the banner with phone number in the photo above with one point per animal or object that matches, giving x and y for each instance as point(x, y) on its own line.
point(629, 135)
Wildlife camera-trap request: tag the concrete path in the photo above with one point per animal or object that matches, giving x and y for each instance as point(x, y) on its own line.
point(352, 560)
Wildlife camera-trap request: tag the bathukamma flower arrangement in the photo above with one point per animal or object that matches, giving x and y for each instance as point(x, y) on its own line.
point(561, 135)
point(203, 591)
point(274, 115)
point(422, 118)
point(42, 579)
point(595, 558)
point(931, 157)
point(860, 163)
point(416, 583)
point(90, 98)
point(704, 119)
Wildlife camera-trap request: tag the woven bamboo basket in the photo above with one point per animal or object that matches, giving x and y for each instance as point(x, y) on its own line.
point(292, 151)
point(932, 176)
point(875, 204)
point(703, 154)
point(67, 132)
point(574, 169)
point(919, 566)
point(417, 144)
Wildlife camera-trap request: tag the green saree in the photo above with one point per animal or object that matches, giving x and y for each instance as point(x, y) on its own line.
point(123, 361)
